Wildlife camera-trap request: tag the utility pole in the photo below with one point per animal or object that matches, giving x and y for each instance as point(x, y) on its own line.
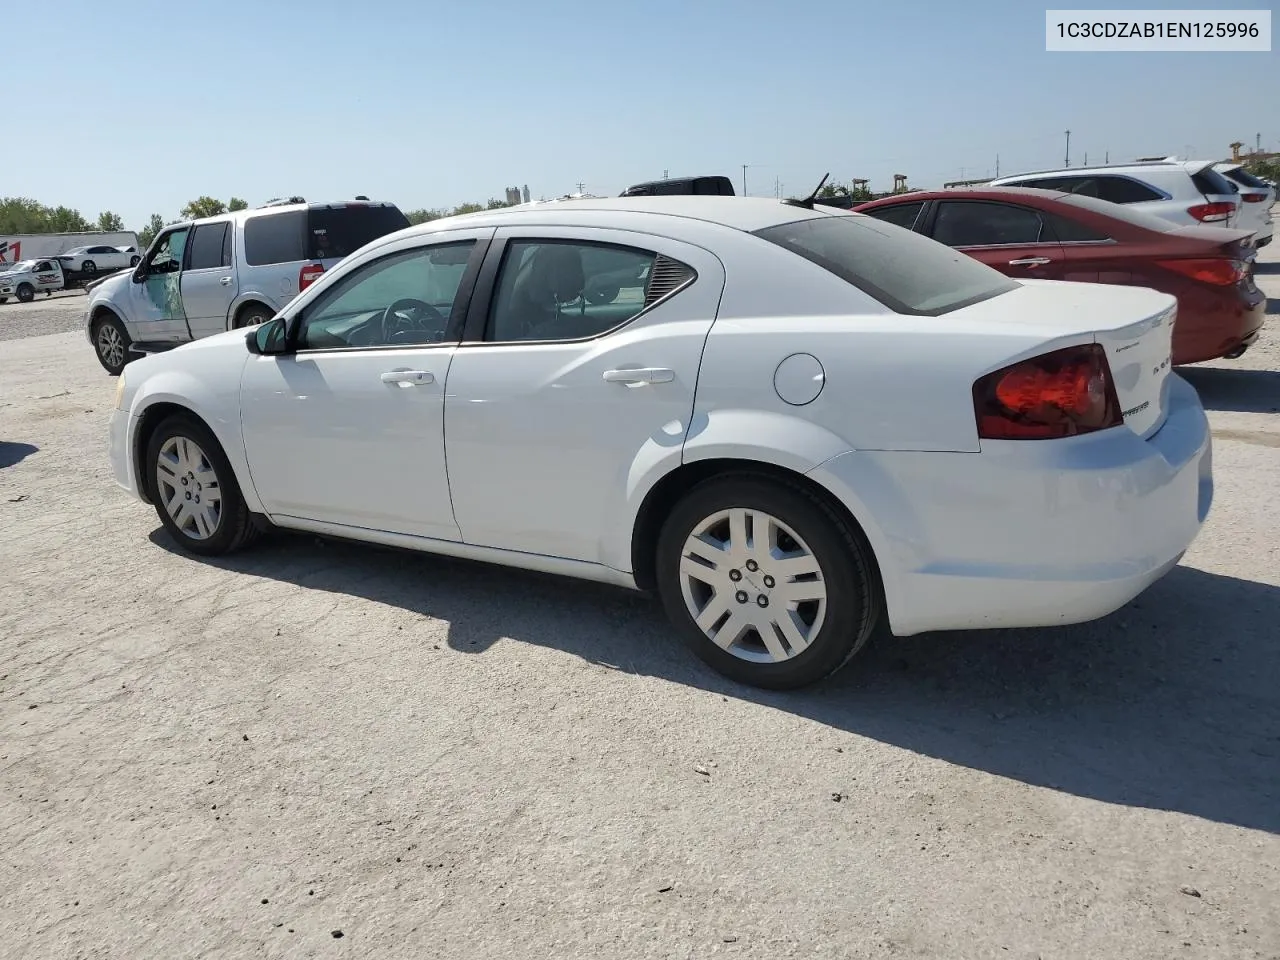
point(997, 166)
point(664, 174)
point(1067, 161)
point(1257, 143)
point(1107, 158)
point(744, 179)
point(1086, 158)
point(580, 186)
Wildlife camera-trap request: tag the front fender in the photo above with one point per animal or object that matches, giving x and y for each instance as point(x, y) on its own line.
point(217, 407)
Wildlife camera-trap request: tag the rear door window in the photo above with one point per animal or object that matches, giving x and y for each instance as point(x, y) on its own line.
point(1243, 176)
point(275, 238)
point(206, 247)
point(899, 214)
point(336, 232)
point(1070, 230)
point(905, 271)
point(971, 223)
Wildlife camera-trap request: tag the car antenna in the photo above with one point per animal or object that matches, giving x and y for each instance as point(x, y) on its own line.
point(807, 202)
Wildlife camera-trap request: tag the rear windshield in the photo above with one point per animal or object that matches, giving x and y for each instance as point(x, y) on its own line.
point(1209, 181)
point(1116, 211)
point(905, 271)
point(1241, 175)
point(340, 231)
point(319, 233)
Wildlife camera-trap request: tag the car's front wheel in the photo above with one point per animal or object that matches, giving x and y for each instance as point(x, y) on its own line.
point(111, 344)
point(194, 489)
point(26, 293)
point(134, 261)
point(765, 582)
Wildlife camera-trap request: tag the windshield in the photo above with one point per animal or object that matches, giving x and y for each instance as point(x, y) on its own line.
point(21, 266)
point(905, 271)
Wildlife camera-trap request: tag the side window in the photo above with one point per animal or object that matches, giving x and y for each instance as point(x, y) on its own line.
point(1124, 190)
point(899, 214)
point(401, 299)
point(1048, 183)
point(1068, 230)
point(167, 257)
point(43, 265)
point(974, 224)
point(560, 290)
point(275, 238)
point(206, 246)
point(227, 239)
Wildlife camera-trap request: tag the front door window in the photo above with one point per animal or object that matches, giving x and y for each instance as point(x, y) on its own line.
point(163, 271)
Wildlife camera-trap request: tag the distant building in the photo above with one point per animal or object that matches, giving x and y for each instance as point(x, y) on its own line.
point(526, 193)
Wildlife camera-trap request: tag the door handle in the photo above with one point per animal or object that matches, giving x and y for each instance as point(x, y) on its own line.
point(639, 375)
point(225, 281)
point(1030, 262)
point(407, 377)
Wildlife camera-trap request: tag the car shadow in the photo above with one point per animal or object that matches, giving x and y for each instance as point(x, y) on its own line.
point(1169, 704)
point(12, 453)
point(1235, 389)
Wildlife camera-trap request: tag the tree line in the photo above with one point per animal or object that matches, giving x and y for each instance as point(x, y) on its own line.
point(20, 215)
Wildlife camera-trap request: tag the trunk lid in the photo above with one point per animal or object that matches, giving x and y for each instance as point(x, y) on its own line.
point(1134, 325)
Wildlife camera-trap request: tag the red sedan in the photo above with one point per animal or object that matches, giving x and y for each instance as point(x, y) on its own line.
point(1049, 235)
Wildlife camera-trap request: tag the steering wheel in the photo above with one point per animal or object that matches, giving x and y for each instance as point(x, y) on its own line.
point(395, 322)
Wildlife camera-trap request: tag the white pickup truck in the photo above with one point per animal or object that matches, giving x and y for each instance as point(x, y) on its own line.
point(24, 279)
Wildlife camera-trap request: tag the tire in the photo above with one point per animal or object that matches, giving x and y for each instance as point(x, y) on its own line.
point(111, 344)
point(134, 261)
point(838, 600)
point(4, 299)
point(26, 293)
point(185, 463)
point(89, 267)
point(251, 314)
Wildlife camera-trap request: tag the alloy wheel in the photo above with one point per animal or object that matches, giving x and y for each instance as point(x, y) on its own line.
point(110, 345)
point(188, 488)
point(753, 586)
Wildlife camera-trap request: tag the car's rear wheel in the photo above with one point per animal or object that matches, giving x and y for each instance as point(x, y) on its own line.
point(111, 343)
point(194, 489)
point(89, 267)
point(134, 261)
point(765, 582)
point(252, 314)
point(26, 293)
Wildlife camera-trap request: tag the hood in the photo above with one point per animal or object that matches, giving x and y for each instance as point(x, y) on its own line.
point(7, 272)
point(110, 284)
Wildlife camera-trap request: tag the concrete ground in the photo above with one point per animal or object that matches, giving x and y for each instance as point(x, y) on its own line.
point(318, 750)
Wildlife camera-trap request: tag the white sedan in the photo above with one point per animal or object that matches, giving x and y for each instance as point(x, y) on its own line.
point(791, 423)
point(99, 259)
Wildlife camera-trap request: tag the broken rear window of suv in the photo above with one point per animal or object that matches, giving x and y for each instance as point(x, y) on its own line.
point(907, 272)
point(339, 231)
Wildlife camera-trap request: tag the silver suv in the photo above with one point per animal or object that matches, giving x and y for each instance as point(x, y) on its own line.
point(202, 277)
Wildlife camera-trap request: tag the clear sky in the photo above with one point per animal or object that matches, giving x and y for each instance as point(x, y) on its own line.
point(139, 107)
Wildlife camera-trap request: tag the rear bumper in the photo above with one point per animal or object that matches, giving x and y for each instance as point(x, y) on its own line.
point(1214, 323)
point(1030, 534)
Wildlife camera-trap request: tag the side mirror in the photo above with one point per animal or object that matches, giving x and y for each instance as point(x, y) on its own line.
point(267, 339)
point(140, 273)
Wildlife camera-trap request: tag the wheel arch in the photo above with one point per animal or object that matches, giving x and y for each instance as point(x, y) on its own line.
point(664, 495)
point(244, 301)
point(149, 412)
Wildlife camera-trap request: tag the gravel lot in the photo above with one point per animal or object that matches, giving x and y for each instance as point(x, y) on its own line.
point(443, 759)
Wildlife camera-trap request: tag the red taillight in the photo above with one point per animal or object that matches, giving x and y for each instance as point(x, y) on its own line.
point(309, 274)
point(1220, 272)
point(1060, 394)
point(1253, 197)
point(1212, 212)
